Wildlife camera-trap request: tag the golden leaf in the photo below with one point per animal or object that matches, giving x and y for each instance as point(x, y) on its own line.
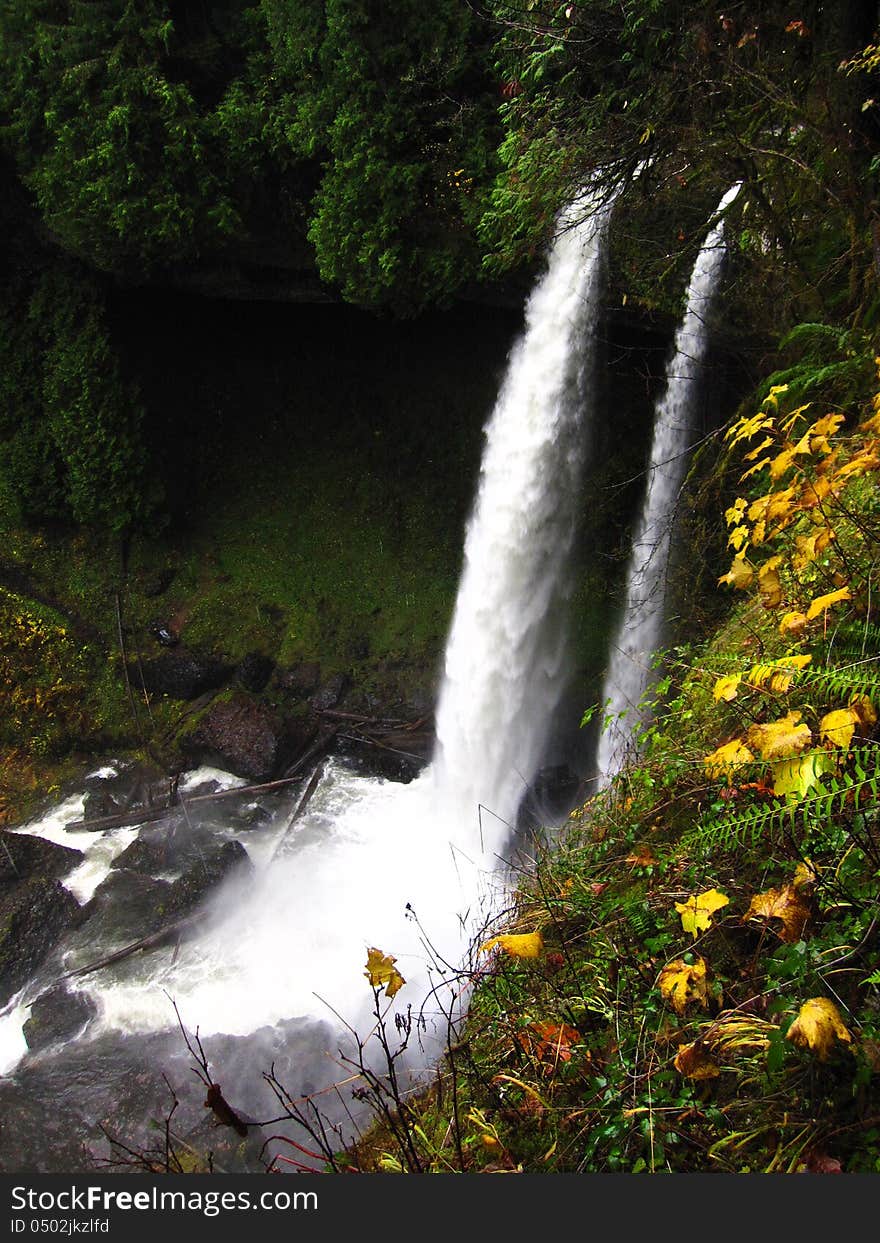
point(779, 739)
point(745, 429)
point(859, 465)
point(681, 983)
point(809, 547)
point(787, 904)
point(696, 913)
point(818, 1027)
point(805, 875)
point(381, 970)
point(758, 532)
point(867, 713)
point(827, 425)
point(815, 493)
point(837, 727)
point(753, 453)
point(793, 624)
point(733, 515)
point(769, 584)
point(726, 758)
point(778, 675)
point(821, 603)
point(740, 573)
point(738, 538)
point(519, 944)
point(642, 857)
point(726, 687)
point(695, 1062)
point(794, 778)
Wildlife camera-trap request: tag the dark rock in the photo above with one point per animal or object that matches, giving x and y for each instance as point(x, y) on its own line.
point(23, 856)
point(180, 674)
point(254, 671)
point(156, 582)
point(240, 735)
point(371, 761)
point(552, 794)
point(300, 681)
point(34, 915)
point(331, 693)
point(57, 1015)
point(125, 907)
point(134, 787)
point(190, 890)
point(149, 856)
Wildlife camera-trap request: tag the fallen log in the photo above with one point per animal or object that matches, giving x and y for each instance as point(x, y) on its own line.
point(147, 815)
point(150, 942)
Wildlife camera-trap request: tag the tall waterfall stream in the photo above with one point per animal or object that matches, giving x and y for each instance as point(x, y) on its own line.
point(642, 621)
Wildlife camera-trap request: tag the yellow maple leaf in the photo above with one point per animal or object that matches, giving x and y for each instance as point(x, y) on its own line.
point(778, 675)
point(694, 1061)
point(519, 944)
point(726, 687)
point(805, 875)
point(866, 711)
point(726, 758)
point(822, 603)
point(681, 983)
point(815, 493)
point(779, 739)
point(756, 452)
point(788, 905)
point(381, 970)
point(859, 465)
point(738, 538)
point(642, 857)
point(769, 584)
point(794, 778)
point(793, 624)
point(818, 1027)
point(734, 514)
point(837, 727)
point(809, 547)
point(696, 913)
point(827, 425)
point(740, 573)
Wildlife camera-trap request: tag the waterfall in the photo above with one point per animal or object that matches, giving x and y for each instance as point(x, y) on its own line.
point(639, 632)
point(413, 870)
point(505, 657)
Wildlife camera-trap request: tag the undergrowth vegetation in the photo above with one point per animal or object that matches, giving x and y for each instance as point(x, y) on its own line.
point(688, 980)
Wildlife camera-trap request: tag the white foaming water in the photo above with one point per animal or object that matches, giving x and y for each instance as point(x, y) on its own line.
point(374, 863)
point(640, 628)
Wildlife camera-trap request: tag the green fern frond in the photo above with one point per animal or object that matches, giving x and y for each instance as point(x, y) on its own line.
point(744, 826)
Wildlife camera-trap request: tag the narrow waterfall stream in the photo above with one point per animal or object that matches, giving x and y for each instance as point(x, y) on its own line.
point(641, 625)
point(416, 869)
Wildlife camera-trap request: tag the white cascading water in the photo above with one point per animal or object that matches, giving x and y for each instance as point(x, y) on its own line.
point(639, 632)
point(375, 863)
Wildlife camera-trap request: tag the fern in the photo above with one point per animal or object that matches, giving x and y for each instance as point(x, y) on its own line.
point(843, 684)
point(831, 360)
point(743, 827)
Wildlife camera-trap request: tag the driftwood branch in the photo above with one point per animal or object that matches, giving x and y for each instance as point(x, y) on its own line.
point(150, 942)
point(147, 815)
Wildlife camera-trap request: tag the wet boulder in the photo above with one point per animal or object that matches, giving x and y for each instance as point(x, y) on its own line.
point(191, 889)
point(300, 681)
point(331, 694)
point(34, 914)
point(22, 856)
point(240, 735)
point(254, 671)
point(125, 907)
point(57, 1015)
point(180, 674)
point(131, 788)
